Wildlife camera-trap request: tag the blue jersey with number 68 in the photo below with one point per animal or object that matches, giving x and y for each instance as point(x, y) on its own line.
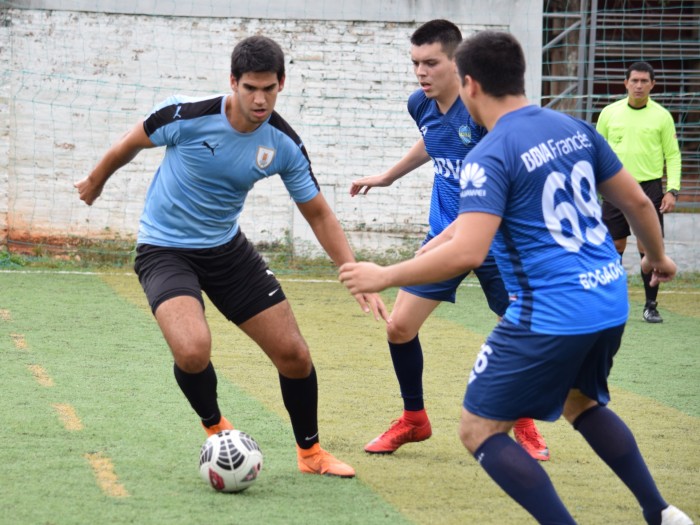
point(538, 169)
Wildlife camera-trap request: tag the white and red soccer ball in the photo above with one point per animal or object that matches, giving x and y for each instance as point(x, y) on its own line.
point(230, 461)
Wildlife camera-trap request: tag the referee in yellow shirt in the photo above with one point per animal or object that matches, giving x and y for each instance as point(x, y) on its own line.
point(643, 135)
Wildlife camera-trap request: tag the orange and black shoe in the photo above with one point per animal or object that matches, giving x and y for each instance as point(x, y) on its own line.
point(315, 460)
point(527, 435)
point(400, 432)
point(223, 424)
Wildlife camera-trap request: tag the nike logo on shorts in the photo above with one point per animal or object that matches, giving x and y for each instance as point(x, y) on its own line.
point(273, 292)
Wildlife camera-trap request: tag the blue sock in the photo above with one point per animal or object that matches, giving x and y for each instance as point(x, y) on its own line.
point(523, 479)
point(408, 365)
point(612, 440)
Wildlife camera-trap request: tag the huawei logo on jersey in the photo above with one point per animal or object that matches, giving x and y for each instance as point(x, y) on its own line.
point(472, 175)
point(264, 157)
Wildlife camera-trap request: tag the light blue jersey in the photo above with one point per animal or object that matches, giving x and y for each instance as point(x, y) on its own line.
point(198, 191)
point(448, 138)
point(538, 170)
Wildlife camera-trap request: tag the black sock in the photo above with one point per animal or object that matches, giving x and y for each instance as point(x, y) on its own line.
point(649, 292)
point(300, 398)
point(523, 479)
point(612, 440)
point(408, 365)
point(200, 391)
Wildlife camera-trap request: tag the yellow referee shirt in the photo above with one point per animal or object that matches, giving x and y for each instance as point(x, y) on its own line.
point(643, 139)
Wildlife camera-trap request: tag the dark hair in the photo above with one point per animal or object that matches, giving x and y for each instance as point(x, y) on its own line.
point(442, 31)
point(495, 60)
point(257, 54)
point(642, 67)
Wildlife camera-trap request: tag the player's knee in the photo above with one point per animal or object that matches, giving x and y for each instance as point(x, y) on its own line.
point(576, 403)
point(468, 434)
point(293, 361)
point(192, 361)
point(193, 354)
point(620, 245)
point(398, 332)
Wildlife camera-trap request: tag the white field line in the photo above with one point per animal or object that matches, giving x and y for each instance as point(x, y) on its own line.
point(282, 280)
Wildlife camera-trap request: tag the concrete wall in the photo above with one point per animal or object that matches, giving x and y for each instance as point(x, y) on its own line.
point(682, 237)
point(521, 17)
point(77, 74)
point(81, 73)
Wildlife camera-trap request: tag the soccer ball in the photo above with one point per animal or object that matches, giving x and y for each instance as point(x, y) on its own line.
point(230, 461)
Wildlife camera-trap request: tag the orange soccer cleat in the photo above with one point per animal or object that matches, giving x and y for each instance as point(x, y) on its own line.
point(315, 460)
point(223, 424)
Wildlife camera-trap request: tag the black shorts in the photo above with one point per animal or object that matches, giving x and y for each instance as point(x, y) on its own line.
point(234, 276)
point(616, 221)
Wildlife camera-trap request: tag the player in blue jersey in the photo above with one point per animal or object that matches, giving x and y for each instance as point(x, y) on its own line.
point(530, 186)
point(189, 240)
point(448, 134)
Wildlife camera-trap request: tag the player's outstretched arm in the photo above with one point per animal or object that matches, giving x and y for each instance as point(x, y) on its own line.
point(444, 236)
point(465, 251)
point(119, 154)
point(626, 194)
point(330, 234)
point(416, 157)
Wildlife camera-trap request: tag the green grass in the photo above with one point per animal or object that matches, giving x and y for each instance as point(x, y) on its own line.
point(108, 360)
point(95, 337)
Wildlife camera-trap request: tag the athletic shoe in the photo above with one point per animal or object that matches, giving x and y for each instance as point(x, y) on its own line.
point(315, 460)
point(223, 424)
point(651, 314)
point(400, 432)
point(674, 516)
point(530, 439)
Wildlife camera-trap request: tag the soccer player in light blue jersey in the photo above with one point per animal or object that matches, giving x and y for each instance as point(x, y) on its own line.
point(448, 133)
point(189, 240)
point(531, 186)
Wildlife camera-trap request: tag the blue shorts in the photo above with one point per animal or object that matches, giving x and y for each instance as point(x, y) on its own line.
point(519, 373)
point(489, 278)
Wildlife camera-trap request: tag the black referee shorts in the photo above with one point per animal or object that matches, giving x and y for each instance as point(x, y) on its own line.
point(616, 221)
point(234, 276)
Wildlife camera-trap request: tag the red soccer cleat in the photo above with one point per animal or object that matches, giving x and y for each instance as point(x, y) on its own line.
point(527, 435)
point(400, 432)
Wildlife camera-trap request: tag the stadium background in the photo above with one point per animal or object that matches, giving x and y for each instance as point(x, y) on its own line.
point(76, 75)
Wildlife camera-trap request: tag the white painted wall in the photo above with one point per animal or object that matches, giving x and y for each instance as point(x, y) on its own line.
point(77, 74)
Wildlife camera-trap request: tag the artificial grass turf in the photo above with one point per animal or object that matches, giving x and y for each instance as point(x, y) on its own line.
point(107, 358)
point(108, 361)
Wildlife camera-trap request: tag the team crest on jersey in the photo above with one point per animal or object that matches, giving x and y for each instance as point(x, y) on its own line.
point(465, 134)
point(264, 157)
